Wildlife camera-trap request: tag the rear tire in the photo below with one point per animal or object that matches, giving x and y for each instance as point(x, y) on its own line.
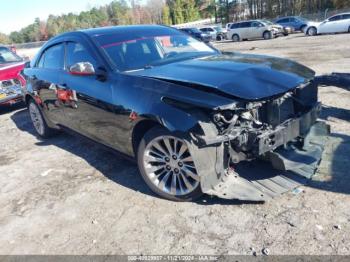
point(235, 38)
point(167, 167)
point(267, 35)
point(38, 121)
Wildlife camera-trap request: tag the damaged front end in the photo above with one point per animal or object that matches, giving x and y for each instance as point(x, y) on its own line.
point(282, 130)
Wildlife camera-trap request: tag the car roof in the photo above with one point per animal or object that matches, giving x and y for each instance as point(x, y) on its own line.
point(127, 30)
point(246, 21)
point(337, 15)
point(110, 30)
point(348, 13)
point(291, 16)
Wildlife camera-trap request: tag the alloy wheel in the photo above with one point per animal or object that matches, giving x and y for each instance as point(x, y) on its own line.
point(169, 165)
point(37, 119)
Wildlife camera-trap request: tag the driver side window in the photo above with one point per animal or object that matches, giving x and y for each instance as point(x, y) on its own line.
point(77, 53)
point(335, 18)
point(52, 58)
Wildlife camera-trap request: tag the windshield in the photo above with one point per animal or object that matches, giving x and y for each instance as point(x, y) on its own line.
point(145, 52)
point(218, 28)
point(6, 56)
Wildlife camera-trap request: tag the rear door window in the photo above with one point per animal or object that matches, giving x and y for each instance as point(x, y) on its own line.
point(246, 24)
point(234, 26)
point(335, 18)
point(284, 20)
point(346, 16)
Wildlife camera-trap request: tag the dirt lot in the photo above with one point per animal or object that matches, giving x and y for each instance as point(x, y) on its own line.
point(69, 196)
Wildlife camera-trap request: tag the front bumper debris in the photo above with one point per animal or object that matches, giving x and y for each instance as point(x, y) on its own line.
point(11, 93)
point(281, 169)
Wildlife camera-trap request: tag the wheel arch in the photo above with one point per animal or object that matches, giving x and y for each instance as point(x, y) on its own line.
point(267, 31)
point(27, 98)
point(237, 34)
point(139, 131)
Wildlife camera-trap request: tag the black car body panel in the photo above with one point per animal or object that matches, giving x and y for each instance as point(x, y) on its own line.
point(249, 77)
point(228, 107)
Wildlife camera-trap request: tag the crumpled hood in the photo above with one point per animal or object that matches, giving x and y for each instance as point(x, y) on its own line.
point(249, 77)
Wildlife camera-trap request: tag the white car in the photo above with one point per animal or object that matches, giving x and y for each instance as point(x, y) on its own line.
point(216, 32)
point(254, 29)
point(336, 24)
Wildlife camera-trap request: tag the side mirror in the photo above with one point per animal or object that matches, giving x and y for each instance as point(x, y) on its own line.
point(82, 69)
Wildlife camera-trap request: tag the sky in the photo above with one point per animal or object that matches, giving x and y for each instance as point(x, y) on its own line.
point(16, 14)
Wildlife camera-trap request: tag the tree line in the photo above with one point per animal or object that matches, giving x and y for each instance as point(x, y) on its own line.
point(168, 12)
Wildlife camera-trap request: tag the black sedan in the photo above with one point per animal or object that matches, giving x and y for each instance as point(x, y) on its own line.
point(189, 114)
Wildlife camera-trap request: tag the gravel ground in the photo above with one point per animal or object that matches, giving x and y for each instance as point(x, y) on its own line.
point(70, 196)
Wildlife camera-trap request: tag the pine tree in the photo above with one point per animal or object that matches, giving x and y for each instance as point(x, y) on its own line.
point(166, 15)
point(178, 12)
point(190, 11)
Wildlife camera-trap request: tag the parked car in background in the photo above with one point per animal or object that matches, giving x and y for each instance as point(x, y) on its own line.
point(11, 79)
point(228, 25)
point(216, 32)
point(339, 23)
point(196, 33)
point(254, 29)
point(188, 114)
point(283, 30)
point(296, 22)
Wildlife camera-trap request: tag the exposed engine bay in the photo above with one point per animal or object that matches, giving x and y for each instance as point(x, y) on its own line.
point(282, 130)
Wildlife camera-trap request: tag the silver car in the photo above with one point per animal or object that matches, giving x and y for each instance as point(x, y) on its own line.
point(254, 29)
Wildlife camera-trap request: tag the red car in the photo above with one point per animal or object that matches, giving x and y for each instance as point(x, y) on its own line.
point(11, 79)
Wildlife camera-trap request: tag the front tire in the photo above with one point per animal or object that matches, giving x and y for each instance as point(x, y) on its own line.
point(38, 121)
point(267, 35)
point(167, 167)
point(312, 31)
